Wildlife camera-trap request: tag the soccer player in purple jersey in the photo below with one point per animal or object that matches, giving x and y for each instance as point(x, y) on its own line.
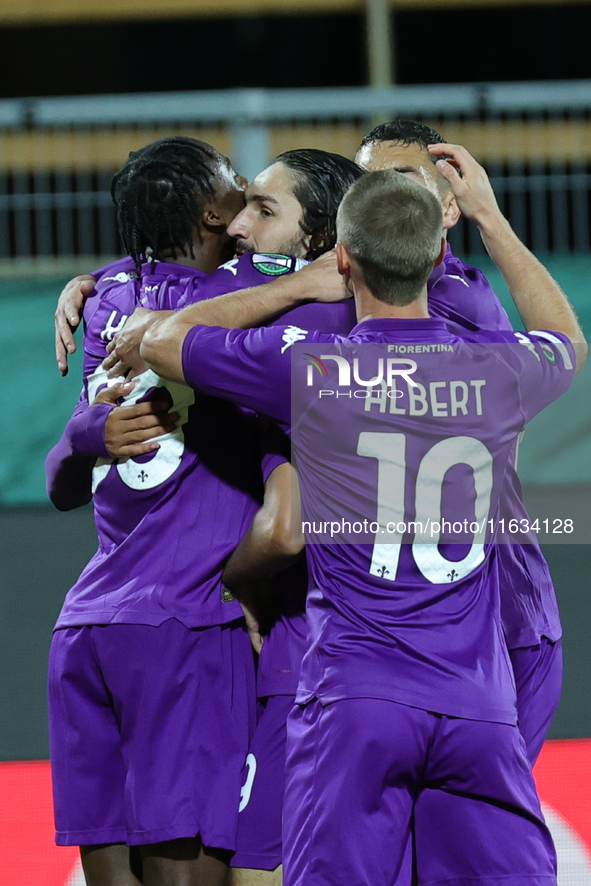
point(529, 607)
point(320, 180)
point(151, 679)
point(457, 292)
point(405, 704)
point(290, 206)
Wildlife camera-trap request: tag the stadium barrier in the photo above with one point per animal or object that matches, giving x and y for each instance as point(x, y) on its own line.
point(57, 155)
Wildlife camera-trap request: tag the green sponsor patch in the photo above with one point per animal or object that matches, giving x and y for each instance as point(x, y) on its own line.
point(549, 353)
point(272, 265)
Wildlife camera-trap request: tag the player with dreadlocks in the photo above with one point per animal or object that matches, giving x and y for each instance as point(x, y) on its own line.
point(148, 638)
point(161, 194)
point(151, 673)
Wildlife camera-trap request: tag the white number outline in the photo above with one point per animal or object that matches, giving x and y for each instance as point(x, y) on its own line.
point(167, 458)
point(246, 789)
point(390, 452)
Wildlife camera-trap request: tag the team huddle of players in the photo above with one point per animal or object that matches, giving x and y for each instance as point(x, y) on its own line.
point(402, 691)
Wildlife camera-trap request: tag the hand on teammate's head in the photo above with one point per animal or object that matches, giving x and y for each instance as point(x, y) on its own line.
point(468, 180)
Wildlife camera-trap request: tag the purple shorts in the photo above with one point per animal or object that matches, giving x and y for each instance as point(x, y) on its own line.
point(364, 776)
point(538, 680)
point(149, 727)
point(259, 843)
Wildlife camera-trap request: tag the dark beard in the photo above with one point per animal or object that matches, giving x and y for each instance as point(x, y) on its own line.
point(289, 247)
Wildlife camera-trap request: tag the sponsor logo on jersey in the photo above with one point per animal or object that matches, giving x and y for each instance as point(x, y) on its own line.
point(272, 265)
point(548, 353)
point(291, 335)
point(230, 266)
point(526, 341)
point(122, 277)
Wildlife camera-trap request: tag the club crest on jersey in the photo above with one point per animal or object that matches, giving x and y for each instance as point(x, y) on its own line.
point(271, 264)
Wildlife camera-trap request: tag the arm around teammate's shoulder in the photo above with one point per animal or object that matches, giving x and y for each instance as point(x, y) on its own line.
point(539, 299)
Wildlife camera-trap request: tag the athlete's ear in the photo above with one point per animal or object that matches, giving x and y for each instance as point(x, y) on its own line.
point(442, 252)
point(451, 210)
point(212, 220)
point(343, 260)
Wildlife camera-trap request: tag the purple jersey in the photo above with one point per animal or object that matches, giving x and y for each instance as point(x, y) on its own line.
point(398, 621)
point(281, 656)
point(166, 521)
point(461, 294)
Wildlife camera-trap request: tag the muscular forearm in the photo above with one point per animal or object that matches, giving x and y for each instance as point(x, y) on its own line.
point(268, 546)
point(253, 306)
point(260, 554)
point(162, 343)
point(539, 299)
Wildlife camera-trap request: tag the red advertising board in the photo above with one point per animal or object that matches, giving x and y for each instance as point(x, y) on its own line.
point(29, 855)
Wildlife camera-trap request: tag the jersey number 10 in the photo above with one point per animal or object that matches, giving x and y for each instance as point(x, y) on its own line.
point(390, 451)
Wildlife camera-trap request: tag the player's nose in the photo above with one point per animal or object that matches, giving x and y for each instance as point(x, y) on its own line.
point(239, 227)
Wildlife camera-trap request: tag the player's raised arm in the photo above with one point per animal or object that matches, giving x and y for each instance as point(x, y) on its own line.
point(539, 299)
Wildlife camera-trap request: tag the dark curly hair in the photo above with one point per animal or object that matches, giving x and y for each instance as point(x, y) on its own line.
point(160, 194)
point(406, 132)
point(321, 181)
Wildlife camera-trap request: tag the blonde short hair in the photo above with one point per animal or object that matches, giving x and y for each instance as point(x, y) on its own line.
point(392, 227)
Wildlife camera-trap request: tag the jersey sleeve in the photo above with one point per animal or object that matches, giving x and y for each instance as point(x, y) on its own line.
point(253, 269)
point(545, 363)
point(117, 270)
point(68, 466)
point(462, 294)
point(275, 447)
point(251, 367)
